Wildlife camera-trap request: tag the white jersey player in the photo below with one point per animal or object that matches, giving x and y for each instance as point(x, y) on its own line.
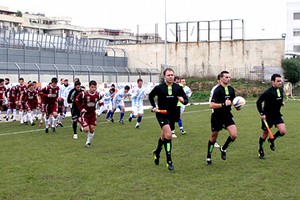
point(188, 93)
point(118, 101)
point(64, 90)
point(138, 95)
point(107, 101)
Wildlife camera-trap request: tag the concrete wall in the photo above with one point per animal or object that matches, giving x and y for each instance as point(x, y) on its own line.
point(208, 58)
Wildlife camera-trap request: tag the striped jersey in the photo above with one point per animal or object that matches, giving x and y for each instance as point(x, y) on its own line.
point(138, 95)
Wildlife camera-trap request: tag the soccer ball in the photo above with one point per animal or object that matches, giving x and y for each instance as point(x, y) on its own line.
point(238, 102)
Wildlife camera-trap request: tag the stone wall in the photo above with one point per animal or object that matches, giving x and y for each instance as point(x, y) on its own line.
point(202, 59)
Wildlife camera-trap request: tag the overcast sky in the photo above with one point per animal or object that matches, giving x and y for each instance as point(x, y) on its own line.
point(262, 18)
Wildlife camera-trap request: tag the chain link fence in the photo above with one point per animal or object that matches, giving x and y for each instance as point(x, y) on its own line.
point(44, 72)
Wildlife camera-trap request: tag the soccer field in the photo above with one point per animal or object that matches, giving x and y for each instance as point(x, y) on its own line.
point(35, 165)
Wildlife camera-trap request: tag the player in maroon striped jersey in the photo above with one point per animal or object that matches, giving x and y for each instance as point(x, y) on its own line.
point(42, 106)
point(36, 112)
point(2, 94)
point(60, 112)
point(86, 102)
point(20, 89)
point(8, 85)
point(50, 92)
point(12, 103)
point(31, 99)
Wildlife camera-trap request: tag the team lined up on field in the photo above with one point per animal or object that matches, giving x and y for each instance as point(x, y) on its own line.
point(29, 99)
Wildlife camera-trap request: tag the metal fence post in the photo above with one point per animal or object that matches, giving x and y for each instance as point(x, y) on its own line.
point(140, 72)
point(116, 74)
point(80, 53)
point(150, 74)
point(73, 71)
point(53, 51)
point(92, 51)
point(7, 50)
point(56, 70)
point(39, 72)
point(68, 55)
point(89, 73)
point(40, 51)
point(128, 73)
point(102, 73)
point(19, 69)
point(24, 47)
point(114, 56)
point(124, 57)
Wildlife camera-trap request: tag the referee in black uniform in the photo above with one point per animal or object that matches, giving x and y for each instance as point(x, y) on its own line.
point(273, 101)
point(74, 110)
point(168, 94)
point(221, 116)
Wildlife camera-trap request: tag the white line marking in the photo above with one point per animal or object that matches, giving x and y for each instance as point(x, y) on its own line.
point(15, 133)
point(148, 117)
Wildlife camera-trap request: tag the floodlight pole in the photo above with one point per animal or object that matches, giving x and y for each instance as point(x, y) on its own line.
point(166, 56)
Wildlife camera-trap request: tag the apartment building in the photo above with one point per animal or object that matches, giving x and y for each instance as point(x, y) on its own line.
point(38, 23)
point(61, 26)
point(124, 36)
point(292, 39)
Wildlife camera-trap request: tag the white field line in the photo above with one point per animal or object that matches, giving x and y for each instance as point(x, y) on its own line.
point(20, 132)
point(37, 130)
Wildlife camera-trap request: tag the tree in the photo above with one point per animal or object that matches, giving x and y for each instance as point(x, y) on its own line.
point(291, 69)
point(19, 14)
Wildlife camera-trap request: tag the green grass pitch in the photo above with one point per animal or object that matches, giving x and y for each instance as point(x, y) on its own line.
point(35, 165)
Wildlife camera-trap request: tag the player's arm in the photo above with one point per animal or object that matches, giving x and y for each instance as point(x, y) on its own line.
point(187, 91)
point(70, 98)
point(190, 93)
point(99, 99)
point(214, 105)
point(6, 92)
point(21, 97)
point(38, 98)
point(5, 96)
point(215, 102)
point(183, 98)
point(282, 94)
point(79, 101)
point(151, 96)
point(44, 92)
point(60, 92)
point(259, 102)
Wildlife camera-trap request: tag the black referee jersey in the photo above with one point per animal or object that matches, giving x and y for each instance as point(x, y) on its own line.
point(273, 99)
point(167, 97)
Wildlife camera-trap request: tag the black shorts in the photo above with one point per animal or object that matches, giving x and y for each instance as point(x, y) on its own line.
point(164, 120)
point(75, 113)
point(272, 121)
point(219, 122)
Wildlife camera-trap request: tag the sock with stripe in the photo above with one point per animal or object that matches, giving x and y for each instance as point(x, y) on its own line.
point(168, 149)
point(210, 148)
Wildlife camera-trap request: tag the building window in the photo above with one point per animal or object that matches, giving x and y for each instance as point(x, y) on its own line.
point(296, 48)
point(297, 32)
point(297, 15)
